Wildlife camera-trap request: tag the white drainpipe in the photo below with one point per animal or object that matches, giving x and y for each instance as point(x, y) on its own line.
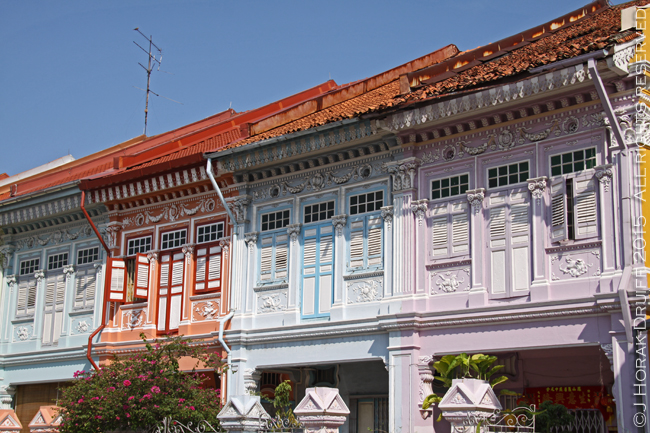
point(222, 321)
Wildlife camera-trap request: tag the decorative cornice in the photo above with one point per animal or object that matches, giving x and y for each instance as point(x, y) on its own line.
point(448, 265)
point(363, 275)
point(41, 210)
point(170, 212)
point(56, 237)
point(573, 247)
point(487, 98)
point(270, 287)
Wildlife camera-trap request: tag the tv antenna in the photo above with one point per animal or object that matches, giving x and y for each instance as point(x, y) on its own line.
point(150, 65)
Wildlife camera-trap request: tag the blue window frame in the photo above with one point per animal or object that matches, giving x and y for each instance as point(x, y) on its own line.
point(317, 270)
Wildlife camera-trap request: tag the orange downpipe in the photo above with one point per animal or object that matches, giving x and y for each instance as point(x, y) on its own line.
point(108, 252)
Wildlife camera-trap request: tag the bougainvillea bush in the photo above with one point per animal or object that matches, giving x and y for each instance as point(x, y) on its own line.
point(139, 391)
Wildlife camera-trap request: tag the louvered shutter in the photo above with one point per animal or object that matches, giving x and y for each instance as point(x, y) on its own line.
point(176, 290)
point(163, 291)
point(281, 256)
point(208, 269)
point(53, 311)
point(439, 231)
point(116, 279)
point(86, 284)
point(356, 243)
point(266, 260)
point(141, 276)
point(585, 208)
point(31, 297)
point(519, 233)
point(497, 243)
point(325, 269)
point(559, 231)
point(21, 302)
point(309, 281)
point(317, 270)
point(374, 247)
point(460, 232)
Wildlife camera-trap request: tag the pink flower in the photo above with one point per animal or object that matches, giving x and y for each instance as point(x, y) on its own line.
point(81, 400)
point(117, 418)
point(110, 388)
point(131, 398)
point(98, 417)
point(155, 389)
point(192, 407)
point(126, 383)
point(146, 396)
point(156, 406)
point(181, 400)
point(128, 416)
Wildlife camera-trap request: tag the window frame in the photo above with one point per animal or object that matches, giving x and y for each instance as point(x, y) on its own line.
point(366, 194)
point(32, 268)
point(182, 240)
point(284, 226)
point(129, 253)
point(366, 222)
point(329, 213)
point(448, 209)
point(450, 197)
point(508, 185)
point(572, 152)
point(63, 260)
point(81, 250)
point(216, 223)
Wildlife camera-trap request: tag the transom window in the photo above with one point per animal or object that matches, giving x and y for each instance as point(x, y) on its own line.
point(88, 255)
point(275, 220)
point(573, 161)
point(209, 233)
point(508, 174)
point(319, 212)
point(368, 202)
point(29, 266)
point(173, 239)
point(449, 186)
point(139, 245)
point(57, 261)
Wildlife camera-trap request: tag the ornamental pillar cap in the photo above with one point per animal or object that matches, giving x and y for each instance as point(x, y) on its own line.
point(48, 418)
point(468, 396)
point(243, 413)
point(9, 421)
point(322, 408)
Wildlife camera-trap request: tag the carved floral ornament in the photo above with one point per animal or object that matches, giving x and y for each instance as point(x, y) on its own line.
point(11, 281)
point(403, 173)
point(39, 275)
point(239, 208)
point(604, 174)
point(134, 318)
point(251, 240)
point(206, 310)
point(475, 198)
point(55, 237)
point(170, 212)
point(537, 186)
point(419, 208)
point(188, 250)
point(152, 256)
point(68, 271)
point(7, 252)
point(293, 230)
point(387, 215)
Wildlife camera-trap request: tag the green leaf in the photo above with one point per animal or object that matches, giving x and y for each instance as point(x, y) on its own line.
point(498, 380)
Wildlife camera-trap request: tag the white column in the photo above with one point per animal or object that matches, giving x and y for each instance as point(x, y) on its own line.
point(478, 292)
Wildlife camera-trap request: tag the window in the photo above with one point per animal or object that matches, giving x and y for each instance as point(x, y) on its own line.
point(574, 209)
point(88, 255)
point(139, 245)
point(275, 220)
point(173, 239)
point(508, 174)
point(365, 243)
point(571, 162)
point(209, 233)
point(319, 212)
point(29, 266)
point(449, 186)
point(86, 284)
point(450, 229)
point(368, 202)
point(26, 298)
point(208, 270)
point(317, 270)
point(53, 311)
point(170, 291)
point(274, 258)
point(57, 261)
point(508, 240)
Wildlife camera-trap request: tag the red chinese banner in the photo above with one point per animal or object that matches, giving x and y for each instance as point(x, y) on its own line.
point(573, 397)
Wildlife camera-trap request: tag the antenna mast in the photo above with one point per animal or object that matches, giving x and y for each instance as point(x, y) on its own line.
point(151, 62)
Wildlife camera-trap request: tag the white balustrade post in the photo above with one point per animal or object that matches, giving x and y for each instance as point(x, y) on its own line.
point(243, 414)
point(322, 410)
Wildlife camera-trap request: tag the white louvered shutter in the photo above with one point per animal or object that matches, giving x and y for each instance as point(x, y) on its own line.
point(356, 243)
point(116, 278)
point(208, 269)
point(585, 208)
point(325, 269)
point(519, 248)
point(163, 291)
point(141, 276)
point(559, 230)
point(281, 256)
point(498, 244)
point(460, 232)
point(53, 311)
point(266, 258)
point(176, 290)
point(86, 283)
point(21, 302)
point(374, 250)
point(439, 231)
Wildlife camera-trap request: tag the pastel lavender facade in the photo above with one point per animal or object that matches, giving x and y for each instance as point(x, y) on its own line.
point(504, 226)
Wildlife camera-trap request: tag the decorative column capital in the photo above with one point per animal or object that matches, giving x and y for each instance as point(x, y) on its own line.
point(153, 256)
point(251, 238)
point(11, 281)
point(537, 186)
point(419, 208)
point(293, 230)
point(112, 229)
point(403, 173)
point(225, 245)
point(188, 250)
point(39, 275)
point(68, 271)
point(239, 208)
point(251, 380)
point(387, 215)
point(6, 396)
point(475, 198)
point(339, 221)
point(604, 174)
point(7, 252)
point(609, 353)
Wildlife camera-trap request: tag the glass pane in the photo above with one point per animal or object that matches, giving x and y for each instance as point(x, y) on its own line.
point(514, 178)
point(503, 181)
point(445, 192)
point(435, 184)
point(566, 157)
point(578, 155)
point(556, 171)
point(445, 183)
point(435, 194)
point(492, 183)
point(455, 180)
point(463, 188)
point(454, 190)
point(513, 168)
point(523, 176)
point(503, 170)
point(523, 166)
point(464, 179)
point(492, 172)
point(591, 163)
point(579, 165)
point(555, 160)
point(567, 168)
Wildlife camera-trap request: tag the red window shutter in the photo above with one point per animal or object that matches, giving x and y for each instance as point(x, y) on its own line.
point(116, 280)
point(141, 276)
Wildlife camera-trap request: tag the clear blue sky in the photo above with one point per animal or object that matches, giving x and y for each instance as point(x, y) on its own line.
point(68, 68)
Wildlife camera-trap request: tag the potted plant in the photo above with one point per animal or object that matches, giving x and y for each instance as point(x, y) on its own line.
point(469, 382)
